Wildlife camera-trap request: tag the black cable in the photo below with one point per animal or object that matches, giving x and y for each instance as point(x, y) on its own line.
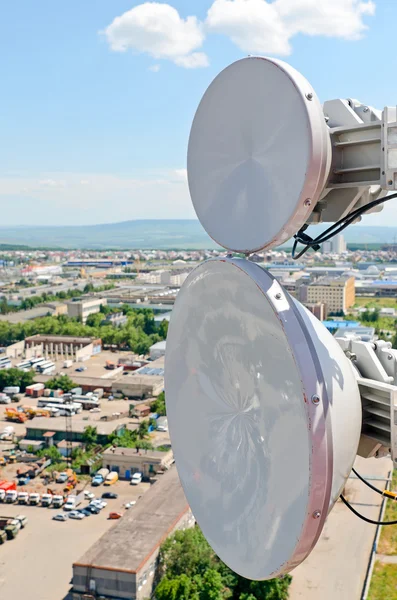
point(349, 506)
point(308, 242)
point(368, 483)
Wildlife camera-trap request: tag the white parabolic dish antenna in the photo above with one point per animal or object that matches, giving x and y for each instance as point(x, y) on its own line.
point(258, 154)
point(263, 437)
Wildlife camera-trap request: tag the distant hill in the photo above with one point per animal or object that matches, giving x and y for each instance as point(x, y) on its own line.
point(146, 234)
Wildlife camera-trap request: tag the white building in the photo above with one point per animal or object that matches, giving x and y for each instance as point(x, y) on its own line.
point(157, 350)
point(81, 308)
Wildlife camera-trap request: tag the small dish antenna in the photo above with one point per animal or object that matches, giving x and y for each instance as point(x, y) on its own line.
point(265, 158)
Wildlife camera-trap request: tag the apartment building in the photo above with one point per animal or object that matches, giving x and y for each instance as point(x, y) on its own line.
point(337, 293)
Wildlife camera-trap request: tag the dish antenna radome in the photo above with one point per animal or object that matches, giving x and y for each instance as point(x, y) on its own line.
point(267, 410)
point(265, 157)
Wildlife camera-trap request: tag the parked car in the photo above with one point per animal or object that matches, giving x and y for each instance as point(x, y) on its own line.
point(85, 512)
point(99, 504)
point(136, 478)
point(162, 428)
point(62, 477)
point(130, 504)
point(94, 510)
point(96, 409)
point(115, 515)
point(89, 495)
point(110, 495)
point(81, 369)
point(60, 517)
point(76, 514)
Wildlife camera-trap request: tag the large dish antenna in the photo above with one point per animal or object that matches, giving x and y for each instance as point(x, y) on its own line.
point(271, 439)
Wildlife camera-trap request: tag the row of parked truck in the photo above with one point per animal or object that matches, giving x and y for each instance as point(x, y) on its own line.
point(33, 499)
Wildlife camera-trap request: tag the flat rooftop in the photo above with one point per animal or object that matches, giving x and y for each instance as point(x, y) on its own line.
point(66, 339)
point(98, 382)
point(130, 543)
point(58, 424)
point(149, 454)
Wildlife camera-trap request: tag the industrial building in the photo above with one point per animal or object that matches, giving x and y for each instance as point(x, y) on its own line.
point(127, 461)
point(38, 429)
point(63, 346)
point(116, 319)
point(377, 288)
point(337, 293)
point(135, 385)
point(52, 309)
point(157, 350)
point(81, 308)
point(121, 565)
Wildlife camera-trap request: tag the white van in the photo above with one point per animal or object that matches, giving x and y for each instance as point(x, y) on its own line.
point(136, 478)
point(70, 503)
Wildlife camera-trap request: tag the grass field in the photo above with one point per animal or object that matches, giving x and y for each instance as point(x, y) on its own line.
point(376, 302)
point(388, 537)
point(383, 582)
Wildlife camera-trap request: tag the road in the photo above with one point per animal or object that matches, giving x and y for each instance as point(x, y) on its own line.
point(337, 566)
point(37, 565)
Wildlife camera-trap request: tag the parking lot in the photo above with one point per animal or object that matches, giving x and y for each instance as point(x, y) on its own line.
point(37, 564)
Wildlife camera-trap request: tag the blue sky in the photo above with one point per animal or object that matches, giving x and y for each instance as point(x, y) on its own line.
point(96, 113)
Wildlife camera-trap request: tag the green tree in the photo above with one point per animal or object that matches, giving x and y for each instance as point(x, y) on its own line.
point(90, 436)
point(4, 308)
point(163, 329)
point(16, 377)
point(61, 382)
point(52, 452)
point(159, 406)
point(189, 569)
point(178, 588)
point(143, 430)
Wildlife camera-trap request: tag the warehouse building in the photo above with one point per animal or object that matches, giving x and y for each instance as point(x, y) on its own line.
point(127, 461)
point(138, 386)
point(37, 429)
point(158, 350)
point(63, 346)
point(121, 565)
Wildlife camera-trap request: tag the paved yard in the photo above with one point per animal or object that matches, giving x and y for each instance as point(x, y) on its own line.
point(37, 565)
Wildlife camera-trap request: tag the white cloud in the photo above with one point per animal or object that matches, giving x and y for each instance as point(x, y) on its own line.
point(267, 27)
point(89, 198)
point(158, 30)
point(253, 25)
point(155, 68)
point(193, 61)
point(331, 18)
point(52, 183)
point(179, 174)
